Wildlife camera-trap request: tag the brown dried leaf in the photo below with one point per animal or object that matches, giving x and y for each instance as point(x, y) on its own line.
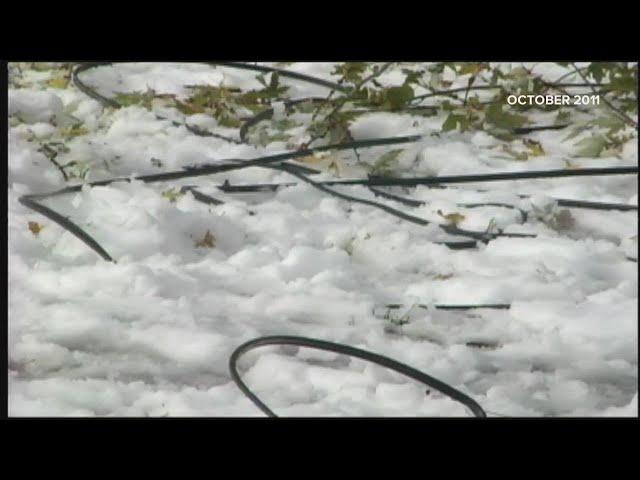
point(310, 159)
point(35, 228)
point(208, 241)
point(452, 218)
point(534, 147)
point(443, 276)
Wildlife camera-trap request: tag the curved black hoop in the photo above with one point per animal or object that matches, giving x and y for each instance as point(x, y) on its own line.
point(381, 360)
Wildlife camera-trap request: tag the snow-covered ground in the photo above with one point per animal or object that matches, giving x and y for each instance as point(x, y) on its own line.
point(151, 334)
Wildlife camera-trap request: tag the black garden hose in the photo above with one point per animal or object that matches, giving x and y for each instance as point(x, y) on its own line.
point(419, 203)
point(450, 229)
point(374, 181)
point(109, 102)
point(375, 358)
point(32, 200)
point(283, 73)
point(277, 162)
point(489, 177)
point(234, 164)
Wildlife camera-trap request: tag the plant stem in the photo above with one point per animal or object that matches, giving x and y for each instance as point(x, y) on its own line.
point(343, 100)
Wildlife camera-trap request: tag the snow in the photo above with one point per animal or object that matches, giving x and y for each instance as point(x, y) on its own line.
point(151, 335)
point(34, 107)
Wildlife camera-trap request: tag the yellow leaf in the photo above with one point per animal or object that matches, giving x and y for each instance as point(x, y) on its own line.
point(74, 131)
point(534, 147)
point(310, 159)
point(172, 195)
point(209, 241)
point(443, 276)
point(328, 162)
point(472, 68)
point(35, 228)
point(452, 218)
point(58, 82)
point(189, 108)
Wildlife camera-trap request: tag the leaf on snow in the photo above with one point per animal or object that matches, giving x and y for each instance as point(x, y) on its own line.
point(452, 121)
point(534, 147)
point(172, 195)
point(452, 218)
point(58, 82)
point(208, 241)
point(35, 228)
point(74, 131)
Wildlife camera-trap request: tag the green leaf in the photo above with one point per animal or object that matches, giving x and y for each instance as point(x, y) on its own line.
point(398, 97)
point(447, 106)
point(629, 105)
point(411, 76)
point(261, 79)
point(451, 122)
point(351, 71)
point(624, 84)
point(472, 68)
point(275, 79)
point(496, 116)
point(598, 70)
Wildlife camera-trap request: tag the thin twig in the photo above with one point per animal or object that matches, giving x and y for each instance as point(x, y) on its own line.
point(317, 110)
point(342, 101)
point(466, 93)
point(566, 75)
point(51, 155)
